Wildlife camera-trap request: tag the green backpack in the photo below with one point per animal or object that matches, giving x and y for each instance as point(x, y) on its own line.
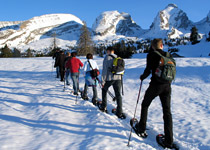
point(166, 70)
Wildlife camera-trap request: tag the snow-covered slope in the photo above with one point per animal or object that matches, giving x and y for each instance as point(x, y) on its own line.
point(35, 113)
point(64, 25)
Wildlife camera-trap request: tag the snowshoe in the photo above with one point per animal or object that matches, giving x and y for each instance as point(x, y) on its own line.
point(160, 138)
point(95, 101)
point(84, 97)
point(121, 116)
point(101, 107)
point(133, 123)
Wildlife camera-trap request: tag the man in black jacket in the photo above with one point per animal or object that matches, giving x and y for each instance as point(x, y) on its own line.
point(56, 56)
point(60, 62)
point(156, 88)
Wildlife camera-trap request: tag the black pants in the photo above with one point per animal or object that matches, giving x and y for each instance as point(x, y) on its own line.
point(164, 92)
point(61, 69)
point(117, 85)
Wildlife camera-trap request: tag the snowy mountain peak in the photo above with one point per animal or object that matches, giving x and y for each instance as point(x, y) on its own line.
point(169, 19)
point(66, 27)
point(49, 20)
point(172, 5)
point(208, 17)
point(113, 22)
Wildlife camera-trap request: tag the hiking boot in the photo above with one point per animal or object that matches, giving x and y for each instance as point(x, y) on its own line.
point(75, 93)
point(85, 97)
point(101, 107)
point(94, 101)
point(121, 116)
point(141, 133)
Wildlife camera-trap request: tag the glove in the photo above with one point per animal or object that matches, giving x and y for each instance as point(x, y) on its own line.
point(142, 77)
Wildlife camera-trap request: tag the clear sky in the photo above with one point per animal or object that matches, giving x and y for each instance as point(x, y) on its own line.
point(142, 12)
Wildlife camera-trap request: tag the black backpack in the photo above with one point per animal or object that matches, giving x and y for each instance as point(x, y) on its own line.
point(94, 72)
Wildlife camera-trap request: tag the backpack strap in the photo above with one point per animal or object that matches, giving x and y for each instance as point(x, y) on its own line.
point(167, 54)
point(112, 56)
point(90, 64)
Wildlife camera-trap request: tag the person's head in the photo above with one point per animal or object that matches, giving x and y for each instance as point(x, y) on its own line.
point(62, 52)
point(89, 56)
point(110, 50)
point(73, 54)
point(157, 44)
point(68, 54)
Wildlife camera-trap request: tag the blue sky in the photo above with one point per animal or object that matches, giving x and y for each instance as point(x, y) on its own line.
point(141, 11)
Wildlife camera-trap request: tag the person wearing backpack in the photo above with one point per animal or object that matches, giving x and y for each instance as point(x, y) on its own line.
point(110, 79)
point(60, 62)
point(56, 55)
point(90, 80)
point(74, 64)
point(158, 87)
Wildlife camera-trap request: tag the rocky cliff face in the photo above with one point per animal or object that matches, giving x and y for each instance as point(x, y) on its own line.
point(113, 22)
point(168, 20)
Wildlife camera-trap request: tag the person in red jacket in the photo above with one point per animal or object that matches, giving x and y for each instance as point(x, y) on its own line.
point(74, 64)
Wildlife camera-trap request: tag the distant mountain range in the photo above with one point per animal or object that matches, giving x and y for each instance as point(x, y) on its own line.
point(36, 33)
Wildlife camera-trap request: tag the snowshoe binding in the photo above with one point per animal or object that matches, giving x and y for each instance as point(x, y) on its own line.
point(160, 138)
point(84, 97)
point(94, 101)
point(121, 116)
point(133, 123)
point(101, 107)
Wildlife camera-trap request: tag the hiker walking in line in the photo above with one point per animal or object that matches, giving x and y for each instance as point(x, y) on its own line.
point(56, 56)
point(67, 71)
point(74, 64)
point(90, 80)
point(61, 64)
point(110, 79)
point(157, 87)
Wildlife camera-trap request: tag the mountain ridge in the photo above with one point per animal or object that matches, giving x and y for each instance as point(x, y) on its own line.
point(109, 26)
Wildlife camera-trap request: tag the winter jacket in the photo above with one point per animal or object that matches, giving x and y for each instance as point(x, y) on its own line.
point(107, 75)
point(153, 60)
point(56, 57)
point(87, 65)
point(88, 79)
point(74, 64)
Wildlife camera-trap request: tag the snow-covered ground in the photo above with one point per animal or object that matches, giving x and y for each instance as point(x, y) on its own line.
point(35, 112)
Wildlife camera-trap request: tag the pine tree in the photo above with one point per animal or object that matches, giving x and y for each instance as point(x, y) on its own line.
point(16, 53)
point(194, 35)
point(29, 53)
point(85, 44)
point(6, 51)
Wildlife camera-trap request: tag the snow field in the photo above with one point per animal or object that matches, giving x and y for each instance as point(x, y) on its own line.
point(35, 112)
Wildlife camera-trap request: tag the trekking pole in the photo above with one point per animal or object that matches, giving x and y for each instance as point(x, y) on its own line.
point(64, 78)
point(135, 112)
point(52, 68)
